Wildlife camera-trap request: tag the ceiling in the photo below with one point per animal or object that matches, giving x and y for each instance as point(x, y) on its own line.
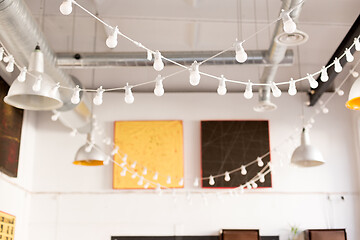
point(192, 25)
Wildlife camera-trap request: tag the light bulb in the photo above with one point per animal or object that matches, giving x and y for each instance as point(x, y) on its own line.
point(289, 24)
point(248, 186)
point(1, 53)
point(357, 44)
point(354, 73)
point(324, 75)
point(338, 67)
point(133, 165)
point(181, 182)
point(158, 188)
point(241, 189)
point(124, 159)
point(156, 176)
point(211, 180)
point(241, 55)
point(194, 74)
point(248, 91)
point(260, 162)
point(129, 97)
point(98, 99)
point(221, 90)
point(144, 171)
point(158, 63)
point(37, 85)
point(275, 90)
point(159, 88)
point(75, 99)
point(146, 185)
point(73, 132)
point(106, 161)
point(348, 55)
point(340, 92)
point(196, 182)
point(141, 181)
point(123, 164)
point(325, 110)
point(89, 147)
point(115, 151)
point(123, 172)
point(313, 83)
point(168, 180)
point(149, 55)
point(261, 177)
point(66, 7)
point(55, 116)
point(254, 185)
point(243, 170)
point(111, 41)
point(292, 87)
point(107, 141)
point(22, 75)
point(227, 177)
point(11, 62)
point(134, 175)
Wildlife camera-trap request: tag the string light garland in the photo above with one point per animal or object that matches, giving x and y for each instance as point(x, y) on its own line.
point(66, 8)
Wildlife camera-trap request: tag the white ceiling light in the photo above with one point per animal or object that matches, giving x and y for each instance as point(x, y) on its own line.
point(37, 91)
point(307, 155)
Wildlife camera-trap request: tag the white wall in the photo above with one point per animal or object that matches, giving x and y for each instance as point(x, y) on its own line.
point(14, 192)
point(73, 202)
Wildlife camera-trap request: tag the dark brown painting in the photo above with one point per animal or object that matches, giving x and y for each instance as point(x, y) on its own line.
point(10, 132)
point(226, 145)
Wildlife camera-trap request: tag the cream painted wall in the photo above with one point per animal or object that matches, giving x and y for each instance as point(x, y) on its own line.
point(72, 202)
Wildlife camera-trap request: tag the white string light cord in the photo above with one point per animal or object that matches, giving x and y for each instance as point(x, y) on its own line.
point(11, 62)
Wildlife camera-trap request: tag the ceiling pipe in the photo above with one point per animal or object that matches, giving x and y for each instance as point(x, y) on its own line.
point(104, 60)
point(20, 33)
point(275, 55)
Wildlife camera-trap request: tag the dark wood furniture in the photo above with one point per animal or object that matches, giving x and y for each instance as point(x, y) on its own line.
point(240, 234)
point(325, 234)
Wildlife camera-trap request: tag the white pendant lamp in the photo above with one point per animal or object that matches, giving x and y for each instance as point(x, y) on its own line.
point(38, 91)
point(89, 156)
point(354, 96)
point(306, 155)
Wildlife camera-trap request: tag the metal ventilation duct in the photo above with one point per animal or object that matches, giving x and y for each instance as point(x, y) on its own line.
point(20, 34)
point(92, 60)
point(275, 55)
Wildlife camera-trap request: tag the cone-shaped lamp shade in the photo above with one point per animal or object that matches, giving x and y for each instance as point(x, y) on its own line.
point(22, 94)
point(354, 96)
point(307, 155)
point(95, 157)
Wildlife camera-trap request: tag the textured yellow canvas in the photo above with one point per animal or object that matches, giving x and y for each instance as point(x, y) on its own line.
point(154, 145)
point(7, 226)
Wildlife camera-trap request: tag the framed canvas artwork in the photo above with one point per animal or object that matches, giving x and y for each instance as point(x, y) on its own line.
point(226, 145)
point(154, 145)
point(7, 226)
point(10, 133)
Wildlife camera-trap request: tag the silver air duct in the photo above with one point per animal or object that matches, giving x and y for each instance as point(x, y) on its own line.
point(99, 60)
point(20, 34)
point(275, 55)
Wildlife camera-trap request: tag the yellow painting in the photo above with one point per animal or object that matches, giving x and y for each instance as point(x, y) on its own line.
point(155, 148)
point(7, 226)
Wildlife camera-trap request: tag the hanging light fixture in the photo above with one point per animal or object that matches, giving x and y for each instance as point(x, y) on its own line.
point(37, 91)
point(94, 157)
point(307, 155)
point(354, 96)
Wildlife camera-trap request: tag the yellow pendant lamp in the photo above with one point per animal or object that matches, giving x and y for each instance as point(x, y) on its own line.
point(354, 96)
